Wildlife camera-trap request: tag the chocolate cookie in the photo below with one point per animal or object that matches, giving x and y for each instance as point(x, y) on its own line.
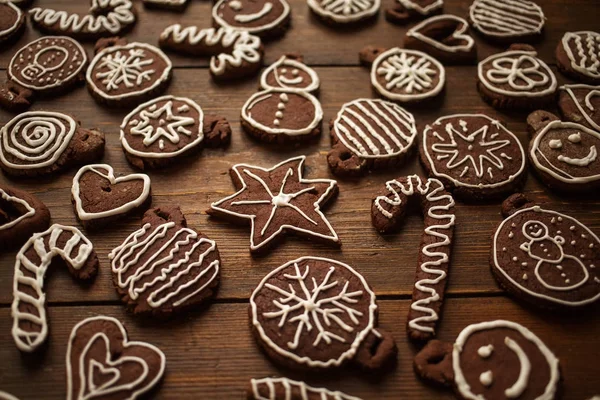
point(12, 22)
point(277, 201)
point(506, 21)
point(344, 12)
point(21, 215)
point(544, 257)
point(516, 79)
point(287, 389)
point(581, 104)
point(103, 363)
point(164, 266)
point(564, 154)
point(170, 5)
point(30, 325)
point(41, 142)
point(474, 155)
point(125, 75)
point(370, 134)
point(105, 18)
point(443, 37)
point(437, 205)
point(233, 54)
point(264, 18)
point(492, 360)
point(578, 54)
point(318, 313)
point(405, 11)
point(100, 198)
point(47, 66)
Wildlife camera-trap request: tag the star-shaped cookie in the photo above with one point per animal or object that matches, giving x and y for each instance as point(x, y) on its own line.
point(278, 200)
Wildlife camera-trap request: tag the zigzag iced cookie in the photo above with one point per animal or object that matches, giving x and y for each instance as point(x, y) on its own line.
point(578, 56)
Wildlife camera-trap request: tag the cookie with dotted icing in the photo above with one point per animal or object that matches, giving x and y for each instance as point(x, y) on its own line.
point(405, 11)
point(164, 266)
point(544, 257)
point(12, 22)
point(38, 143)
point(474, 155)
point(169, 5)
point(264, 18)
point(319, 313)
point(288, 389)
point(507, 20)
point(516, 79)
point(494, 360)
point(344, 12)
point(581, 104)
point(578, 56)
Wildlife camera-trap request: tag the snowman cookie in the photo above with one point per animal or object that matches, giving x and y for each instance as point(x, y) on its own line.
point(578, 54)
point(544, 257)
point(264, 18)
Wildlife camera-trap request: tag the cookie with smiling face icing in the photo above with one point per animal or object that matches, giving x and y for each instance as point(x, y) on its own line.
point(578, 54)
point(12, 22)
point(264, 18)
point(495, 360)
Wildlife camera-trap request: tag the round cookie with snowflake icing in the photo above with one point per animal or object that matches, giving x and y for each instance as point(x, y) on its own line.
point(264, 18)
point(344, 12)
point(474, 155)
point(578, 56)
point(507, 21)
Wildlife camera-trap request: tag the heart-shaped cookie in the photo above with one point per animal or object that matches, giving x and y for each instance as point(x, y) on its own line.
point(99, 197)
point(102, 363)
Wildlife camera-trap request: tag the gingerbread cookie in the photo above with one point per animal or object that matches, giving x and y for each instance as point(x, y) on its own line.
point(168, 128)
point(103, 363)
point(164, 266)
point(492, 360)
point(30, 325)
point(49, 65)
point(277, 201)
point(170, 5)
point(565, 154)
point(318, 313)
point(21, 215)
point(578, 56)
point(516, 79)
point(387, 213)
point(41, 142)
point(106, 18)
point(370, 134)
point(127, 74)
point(100, 198)
point(264, 18)
point(344, 12)
point(288, 389)
point(12, 22)
point(444, 37)
point(289, 72)
point(581, 104)
point(233, 54)
point(405, 11)
point(507, 21)
point(474, 155)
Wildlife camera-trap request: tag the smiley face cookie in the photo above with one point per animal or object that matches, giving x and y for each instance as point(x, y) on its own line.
point(577, 56)
point(581, 104)
point(264, 18)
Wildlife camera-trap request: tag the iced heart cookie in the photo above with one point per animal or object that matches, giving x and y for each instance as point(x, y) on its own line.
point(30, 325)
point(287, 389)
point(344, 12)
point(370, 134)
point(474, 155)
point(103, 363)
point(507, 21)
point(578, 56)
point(164, 266)
point(564, 154)
point(544, 257)
point(318, 313)
point(170, 5)
point(405, 11)
point(12, 22)
point(493, 360)
point(277, 201)
point(581, 104)
point(40, 142)
point(264, 18)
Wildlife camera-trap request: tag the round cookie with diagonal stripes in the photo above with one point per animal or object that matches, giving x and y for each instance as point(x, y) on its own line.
point(370, 134)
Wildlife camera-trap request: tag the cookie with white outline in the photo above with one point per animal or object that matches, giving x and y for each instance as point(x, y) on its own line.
point(12, 22)
point(493, 360)
point(504, 21)
point(405, 11)
point(264, 18)
point(288, 389)
point(581, 104)
point(342, 12)
point(578, 56)
point(21, 215)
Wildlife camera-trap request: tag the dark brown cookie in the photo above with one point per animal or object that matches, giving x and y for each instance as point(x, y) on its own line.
point(264, 18)
point(164, 266)
point(581, 104)
point(388, 211)
point(169, 5)
point(30, 325)
point(578, 56)
point(21, 215)
point(39, 143)
point(405, 11)
point(103, 363)
point(504, 21)
point(344, 13)
point(12, 22)
point(492, 360)
point(288, 389)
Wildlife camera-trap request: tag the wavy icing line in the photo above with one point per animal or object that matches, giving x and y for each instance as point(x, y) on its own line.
point(274, 386)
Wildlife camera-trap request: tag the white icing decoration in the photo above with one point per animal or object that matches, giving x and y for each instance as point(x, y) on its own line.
point(586, 58)
point(486, 378)
point(555, 144)
point(585, 109)
point(252, 18)
point(30, 274)
point(30, 211)
point(7, 396)
point(507, 18)
point(520, 385)
point(575, 138)
point(18, 14)
point(274, 386)
point(245, 18)
point(287, 83)
point(107, 172)
point(434, 5)
point(166, 3)
point(485, 351)
point(458, 34)
point(235, 5)
point(345, 11)
point(581, 162)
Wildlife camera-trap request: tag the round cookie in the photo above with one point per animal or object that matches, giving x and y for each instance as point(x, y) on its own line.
point(578, 54)
point(506, 21)
point(405, 11)
point(474, 155)
point(264, 18)
point(289, 72)
point(344, 12)
point(581, 104)
point(12, 22)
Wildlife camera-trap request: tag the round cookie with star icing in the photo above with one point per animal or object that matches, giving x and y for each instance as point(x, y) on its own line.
point(474, 155)
point(12, 22)
point(578, 56)
point(264, 18)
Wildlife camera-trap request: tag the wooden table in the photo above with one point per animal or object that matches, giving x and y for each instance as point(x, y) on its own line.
point(211, 353)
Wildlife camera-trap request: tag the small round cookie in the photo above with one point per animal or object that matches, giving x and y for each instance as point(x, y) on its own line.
point(407, 76)
point(12, 22)
point(578, 54)
point(123, 75)
point(544, 257)
point(516, 79)
point(474, 155)
point(370, 134)
point(264, 18)
point(581, 104)
point(344, 12)
point(164, 266)
point(505, 21)
point(405, 11)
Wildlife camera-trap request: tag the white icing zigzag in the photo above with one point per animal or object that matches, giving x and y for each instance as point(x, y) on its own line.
point(272, 385)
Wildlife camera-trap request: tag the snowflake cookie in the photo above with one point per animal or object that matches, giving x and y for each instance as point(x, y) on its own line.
point(318, 313)
point(264, 18)
point(288, 389)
